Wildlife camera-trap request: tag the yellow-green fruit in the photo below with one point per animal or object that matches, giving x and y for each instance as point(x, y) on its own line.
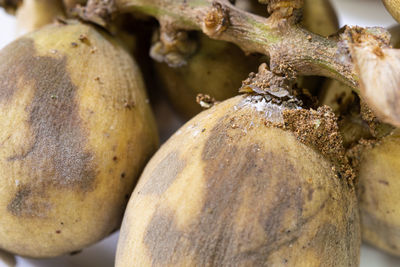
point(379, 198)
point(319, 17)
point(217, 69)
point(75, 132)
point(227, 190)
point(34, 14)
point(393, 6)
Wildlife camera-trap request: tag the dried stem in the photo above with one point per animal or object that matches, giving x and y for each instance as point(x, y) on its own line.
point(290, 47)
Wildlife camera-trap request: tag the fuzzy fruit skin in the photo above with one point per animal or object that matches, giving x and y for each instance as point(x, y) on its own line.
point(378, 190)
point(217, 69)
point(75, 133)
point(226, 190)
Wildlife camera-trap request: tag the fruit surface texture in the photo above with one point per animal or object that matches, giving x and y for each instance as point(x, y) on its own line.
point(229, 190)
point(379, 183)
point(75, 132)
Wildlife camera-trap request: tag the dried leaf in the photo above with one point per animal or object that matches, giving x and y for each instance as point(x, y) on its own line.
point(379, 74)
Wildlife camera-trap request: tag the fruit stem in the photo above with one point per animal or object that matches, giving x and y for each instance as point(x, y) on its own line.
point(290, 47)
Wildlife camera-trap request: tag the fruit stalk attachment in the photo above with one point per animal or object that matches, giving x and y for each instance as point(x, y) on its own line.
point(289, 46)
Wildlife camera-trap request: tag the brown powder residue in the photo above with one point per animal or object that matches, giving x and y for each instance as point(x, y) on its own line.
point(319, 129)
point(354, 153)
point(97, 11)
point(369, 117)
point(378, 129)
point(265, 81)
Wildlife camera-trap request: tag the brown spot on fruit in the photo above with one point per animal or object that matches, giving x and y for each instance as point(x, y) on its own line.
point(57, 155)
point(17, 203)
point(26, 203)
point(215, 142)
point(160, 236)
point(164, 174)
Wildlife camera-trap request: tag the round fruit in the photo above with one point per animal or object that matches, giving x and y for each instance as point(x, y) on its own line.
point(216, 69)
point(379, 184)
point(75, 132)
point(231, 189)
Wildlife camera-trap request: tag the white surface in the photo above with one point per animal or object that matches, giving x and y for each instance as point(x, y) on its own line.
point(351, 12)
point(7, 28)
point(366, 13)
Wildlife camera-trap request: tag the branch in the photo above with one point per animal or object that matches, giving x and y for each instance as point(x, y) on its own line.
point(290, 47)
point(360, 58)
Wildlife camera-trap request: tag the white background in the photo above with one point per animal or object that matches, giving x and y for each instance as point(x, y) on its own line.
point(351, 12)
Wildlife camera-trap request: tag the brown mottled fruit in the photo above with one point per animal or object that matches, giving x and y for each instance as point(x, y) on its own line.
point(378, 190)
point(217, 68)
point(34, 14)
point(75, 132)
point(231, 189)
